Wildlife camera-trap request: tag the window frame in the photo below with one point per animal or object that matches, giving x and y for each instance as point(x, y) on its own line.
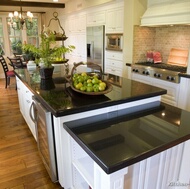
point(7, 47)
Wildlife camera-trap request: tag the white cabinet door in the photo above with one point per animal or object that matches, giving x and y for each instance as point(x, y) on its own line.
point(77, 38)
point(28, 110)
point(183, 98)
point(71, 24)
point(115, 21)
point(79, 53)
point(81, 45)
point(172, 91)
point(96, 18)
point(77, 23)
point(80, 23)
point(172, 88)
point(20, 94)
point(140, 78)
point(25, 102)
point(114, 55)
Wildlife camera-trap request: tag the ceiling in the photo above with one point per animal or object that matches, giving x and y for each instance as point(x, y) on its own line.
point(32, 5)
point(44, 1)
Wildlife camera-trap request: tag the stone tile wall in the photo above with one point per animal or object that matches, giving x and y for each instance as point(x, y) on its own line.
point(160, 39)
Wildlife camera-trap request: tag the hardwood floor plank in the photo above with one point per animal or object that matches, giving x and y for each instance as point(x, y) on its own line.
point(20, 164)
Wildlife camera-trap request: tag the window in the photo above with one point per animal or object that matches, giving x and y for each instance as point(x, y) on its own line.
point(32, 35)
point(2, 51)
point(16, 37)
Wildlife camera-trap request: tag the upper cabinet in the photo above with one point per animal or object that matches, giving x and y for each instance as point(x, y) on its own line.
point(77, 24)
point(115, 20)
point(81, 23)
point(75, 29)
point(96, 18)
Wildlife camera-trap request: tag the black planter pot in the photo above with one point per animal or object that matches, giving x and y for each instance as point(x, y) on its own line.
point(47, 84)
point(46, 73)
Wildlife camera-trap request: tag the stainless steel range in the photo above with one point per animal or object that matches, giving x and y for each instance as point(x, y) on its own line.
point(161, 71)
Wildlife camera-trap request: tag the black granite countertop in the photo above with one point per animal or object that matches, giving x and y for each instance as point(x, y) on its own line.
point(184, 75)
point(58, 97)
point(127, 137)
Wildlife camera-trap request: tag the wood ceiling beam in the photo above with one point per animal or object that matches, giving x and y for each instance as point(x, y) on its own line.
point(31, 4)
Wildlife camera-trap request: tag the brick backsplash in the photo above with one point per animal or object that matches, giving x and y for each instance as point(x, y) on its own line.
point(160, 39)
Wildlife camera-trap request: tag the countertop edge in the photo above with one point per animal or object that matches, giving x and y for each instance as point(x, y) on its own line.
point(184, 75)
point(128, 162)
point(95, 106)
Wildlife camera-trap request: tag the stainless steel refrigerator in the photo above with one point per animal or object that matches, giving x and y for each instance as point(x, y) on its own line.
point(96, 45)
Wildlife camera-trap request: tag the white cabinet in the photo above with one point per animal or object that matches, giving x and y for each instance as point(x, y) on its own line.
point(20, 94)
point(172, 88)
point(81, 23)
point(140, 78)
point(88, 175)
point(25, 102)
point(172, 91)
point(76, 34)
point(77, 23)
point(115, 20)
point(79, 53)
point(96, 18)
point(114, 63)
point(184, 102)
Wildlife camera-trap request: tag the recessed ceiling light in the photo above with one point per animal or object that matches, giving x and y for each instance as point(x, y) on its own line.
point(55, 0)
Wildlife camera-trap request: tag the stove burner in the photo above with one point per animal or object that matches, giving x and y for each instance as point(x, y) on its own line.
point(164, 66)
point(161, 71)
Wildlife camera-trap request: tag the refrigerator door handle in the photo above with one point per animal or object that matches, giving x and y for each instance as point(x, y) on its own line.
point(92, 50)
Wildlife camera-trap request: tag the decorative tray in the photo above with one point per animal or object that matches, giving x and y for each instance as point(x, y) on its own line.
point(99, 74)
point(107, 90)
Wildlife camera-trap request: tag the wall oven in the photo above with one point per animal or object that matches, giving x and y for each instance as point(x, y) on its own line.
point(114, 41)
point(45, 138)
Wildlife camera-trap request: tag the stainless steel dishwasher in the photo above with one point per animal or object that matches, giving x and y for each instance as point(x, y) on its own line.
point(45, 138)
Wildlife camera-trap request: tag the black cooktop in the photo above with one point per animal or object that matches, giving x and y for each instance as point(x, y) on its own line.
point(164, 66)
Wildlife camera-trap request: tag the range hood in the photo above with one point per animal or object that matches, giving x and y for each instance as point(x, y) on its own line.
point(168, 12)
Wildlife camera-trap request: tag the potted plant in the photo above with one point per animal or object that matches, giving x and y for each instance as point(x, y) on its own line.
point(47, 52)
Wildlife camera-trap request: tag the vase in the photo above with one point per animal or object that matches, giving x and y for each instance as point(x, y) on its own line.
point(47, 84)
point(46, 73)
point(31, 66)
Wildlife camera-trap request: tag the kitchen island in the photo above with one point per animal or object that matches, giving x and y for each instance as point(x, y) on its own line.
point(79, 150)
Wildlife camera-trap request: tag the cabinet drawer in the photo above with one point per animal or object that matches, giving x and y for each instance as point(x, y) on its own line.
point(114, 55)
point(114, 71)
point(114, 63)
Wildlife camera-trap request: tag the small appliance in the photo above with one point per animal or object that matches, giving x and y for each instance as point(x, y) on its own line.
point(114, 41)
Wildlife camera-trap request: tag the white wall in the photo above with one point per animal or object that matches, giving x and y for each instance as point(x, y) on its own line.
point(134, 9)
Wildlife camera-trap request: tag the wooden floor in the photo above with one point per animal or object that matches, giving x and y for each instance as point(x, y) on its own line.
point(20, 164)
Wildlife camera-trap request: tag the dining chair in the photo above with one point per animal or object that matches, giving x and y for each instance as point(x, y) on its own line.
point(8, 73)
point(16, 62)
